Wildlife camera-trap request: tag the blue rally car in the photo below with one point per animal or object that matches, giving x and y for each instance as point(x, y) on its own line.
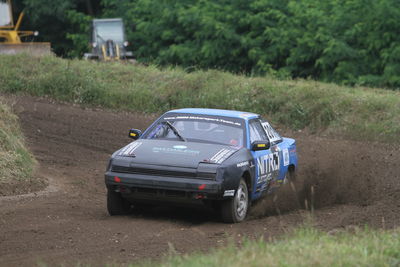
point(225, 159)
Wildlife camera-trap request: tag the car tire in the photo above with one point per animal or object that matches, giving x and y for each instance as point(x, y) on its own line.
point(235, 210)
point(116, 204)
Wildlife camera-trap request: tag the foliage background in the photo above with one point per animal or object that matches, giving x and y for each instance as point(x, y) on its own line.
point(343, 41)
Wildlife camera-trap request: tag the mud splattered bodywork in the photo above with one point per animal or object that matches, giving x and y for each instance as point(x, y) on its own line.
point(202, 155)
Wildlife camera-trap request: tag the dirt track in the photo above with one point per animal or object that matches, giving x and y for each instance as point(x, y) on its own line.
point(355, 184)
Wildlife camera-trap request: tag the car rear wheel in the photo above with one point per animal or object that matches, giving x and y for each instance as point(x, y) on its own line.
point(291, 175)
point(234, 210)
point(116, 204)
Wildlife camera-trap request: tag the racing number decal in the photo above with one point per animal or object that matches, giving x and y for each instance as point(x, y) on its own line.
point(273, 136)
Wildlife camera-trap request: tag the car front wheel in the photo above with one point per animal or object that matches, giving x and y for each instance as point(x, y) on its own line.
point(116, 204)
point(234, 210)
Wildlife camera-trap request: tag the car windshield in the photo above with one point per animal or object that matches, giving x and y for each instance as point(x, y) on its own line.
point(199, 128)
point(109, 30)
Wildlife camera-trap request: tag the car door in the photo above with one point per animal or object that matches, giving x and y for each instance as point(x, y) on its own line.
point(266, 161)
point(278, 147)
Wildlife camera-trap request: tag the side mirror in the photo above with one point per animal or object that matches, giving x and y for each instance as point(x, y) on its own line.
point(260, 145)
point(135, 133)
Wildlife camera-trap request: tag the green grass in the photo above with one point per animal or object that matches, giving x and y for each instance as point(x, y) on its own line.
point(304, 247)
point(359, 113)
point(16, 162)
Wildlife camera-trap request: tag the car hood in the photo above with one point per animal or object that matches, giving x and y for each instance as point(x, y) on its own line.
point(174, 153)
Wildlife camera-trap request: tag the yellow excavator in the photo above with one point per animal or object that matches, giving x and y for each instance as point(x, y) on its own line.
point(10, 35)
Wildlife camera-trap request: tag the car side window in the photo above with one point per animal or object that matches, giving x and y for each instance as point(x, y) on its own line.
point(257, 132)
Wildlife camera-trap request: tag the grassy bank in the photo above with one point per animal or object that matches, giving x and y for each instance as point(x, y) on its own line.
point(305, 247)
point(360, 113)
point(16, 162)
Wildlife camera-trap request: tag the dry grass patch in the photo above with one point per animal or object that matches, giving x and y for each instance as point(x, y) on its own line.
point(16, 162)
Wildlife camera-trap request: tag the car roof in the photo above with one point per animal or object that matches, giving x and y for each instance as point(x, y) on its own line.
point(216, 112)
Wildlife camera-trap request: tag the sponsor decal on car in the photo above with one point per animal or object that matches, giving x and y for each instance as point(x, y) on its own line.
point(229, 193)
point(174, 150)
point(242, 164)
point(208, 119)
point(180, 147)
point(285, 154)
point(267, 164)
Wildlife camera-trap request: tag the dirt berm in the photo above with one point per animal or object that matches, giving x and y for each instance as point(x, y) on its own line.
point(354, 183)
